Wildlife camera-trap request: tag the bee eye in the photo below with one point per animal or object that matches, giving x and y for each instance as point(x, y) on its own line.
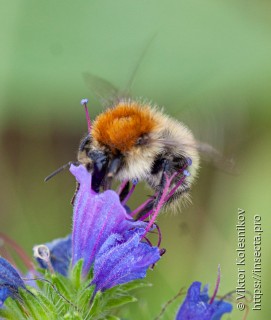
point(142, 140)
point(84, 143)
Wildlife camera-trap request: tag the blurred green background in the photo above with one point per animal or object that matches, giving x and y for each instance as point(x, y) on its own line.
point(208, 65)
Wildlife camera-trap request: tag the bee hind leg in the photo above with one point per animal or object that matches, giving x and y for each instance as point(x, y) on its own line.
point(163, 181)
point(160, 189)
point(176, 196)
point(182, 189)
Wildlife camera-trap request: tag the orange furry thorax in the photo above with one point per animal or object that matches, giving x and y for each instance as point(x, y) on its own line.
point(120, 127)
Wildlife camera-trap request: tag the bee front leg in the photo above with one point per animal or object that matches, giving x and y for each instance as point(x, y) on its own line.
point(100, 163)
point(75, 193)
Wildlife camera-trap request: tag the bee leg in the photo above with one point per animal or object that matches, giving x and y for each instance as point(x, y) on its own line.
point(75, 193)
point(160, 188)
point(145, 210)
point(163, 181)
point(176, 195)
point(112, 170)
point(181, 185)
point(100, 161)
point(124, 191)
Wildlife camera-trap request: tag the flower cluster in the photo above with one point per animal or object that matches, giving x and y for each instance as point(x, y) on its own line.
point(91, 271)
point(107, 246)
point(106, 236)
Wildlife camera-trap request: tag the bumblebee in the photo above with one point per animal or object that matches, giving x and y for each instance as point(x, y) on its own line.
point(134, 141)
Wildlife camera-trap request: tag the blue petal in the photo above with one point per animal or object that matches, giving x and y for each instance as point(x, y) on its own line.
point(122, 259)
point(219, 308)
point(10, 281)
point(95, 218)
point(196, 306)
point(60, 255)
point(4, 294)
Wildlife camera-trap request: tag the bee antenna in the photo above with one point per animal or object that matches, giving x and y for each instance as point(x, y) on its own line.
point(84, 103)
point(57, 171)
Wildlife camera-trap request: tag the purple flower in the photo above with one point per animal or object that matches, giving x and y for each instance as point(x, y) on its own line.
point(198, 306)
point(96, 217)
point(10, 281)
point(123, 258)
point(104, 236)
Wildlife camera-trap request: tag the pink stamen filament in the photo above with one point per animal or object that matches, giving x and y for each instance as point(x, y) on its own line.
point(159, 205)
point(148, 241)
point(216, 286)
point(175, 188)
point(170, 194)
point(150, 199)
point(26, 260)
point(165, 196)
point(159, 235)
point(163, 199)
point(141, 207)
point(88, 118)
point(146, 215)
point(128, 195)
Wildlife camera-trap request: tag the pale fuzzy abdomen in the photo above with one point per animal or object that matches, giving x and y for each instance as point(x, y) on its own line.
point(170, 140)
point(182, 142)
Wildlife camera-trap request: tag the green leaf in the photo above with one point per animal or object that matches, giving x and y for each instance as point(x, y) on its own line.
point(12, 310)
point(63, 285)
point(88, 278)
point(60, 297)
point(134, 285)
point(73, 316)
point(6, 314)
point(112, 318)
point(83, 297)
point(48, 306)
point(75, 274)
point(119, 301)
point(95, 306)
point(33, 305)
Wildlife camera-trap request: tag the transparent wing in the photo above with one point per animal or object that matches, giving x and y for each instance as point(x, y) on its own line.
point(216, 134)
point(105, 91)
point(216, 158)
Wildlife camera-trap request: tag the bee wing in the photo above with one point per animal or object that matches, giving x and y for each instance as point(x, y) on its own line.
point(216, 158)
point(104, 90)
point(215, 128)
